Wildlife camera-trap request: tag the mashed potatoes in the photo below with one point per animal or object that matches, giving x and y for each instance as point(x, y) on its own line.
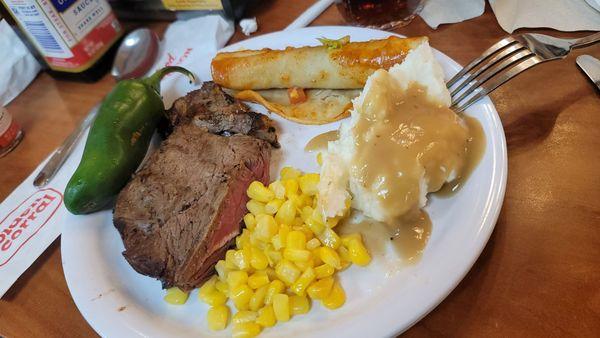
point(401, 142)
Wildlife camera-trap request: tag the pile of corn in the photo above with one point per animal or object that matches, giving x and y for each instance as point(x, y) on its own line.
point(285, 257)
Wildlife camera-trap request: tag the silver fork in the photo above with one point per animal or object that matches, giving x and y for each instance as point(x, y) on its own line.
point(506, 59)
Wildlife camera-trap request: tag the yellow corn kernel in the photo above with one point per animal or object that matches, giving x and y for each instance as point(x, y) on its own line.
point(315, 225)
point(320, 159)
point(298, 222)
point(296, 255)
point(236, 278)
point(336, 298)
point(278, 189)
point(255, 207)
point(229, 260)
point(321, 288)
point(344, 255)
point(330, 257)
point(299, 305)
point(272, 207)
point(250, 221)
point(284, 231)
point(217, 317)
point(324, 270)
point(271, 273)
point(266, 227)
point(208, 286)
point(287, 272)
point(307, 232)
point(244, 317)
point(333, 221)
point(240, 295)
point(266, 316)
point(257, 191)
point(307, 277)
point(296, 200)
point(223, 287)
point(258, 279)
point(291, 187)
point(303, 265)
point(296, 240)
point(243, 239)
point(308, 184)
point(329, 238)
point(213, 298)
point(289, 173)
point(273, 256)
point(281, 307)
point(258, 298)
point(241, 258)
point(259, 260)
point(357, 252)
point(313, 244)
point(306, 212)
point(176, 296)
point(245, 330)
point(221, 269)
point(274, 288)
point(277, 242)
point(286, 213)
point(316, 256)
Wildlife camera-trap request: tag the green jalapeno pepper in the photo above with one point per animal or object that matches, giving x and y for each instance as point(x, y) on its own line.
point(117, 142)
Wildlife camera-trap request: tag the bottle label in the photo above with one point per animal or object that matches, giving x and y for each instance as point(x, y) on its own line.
point(187, 5)
point(70, 34)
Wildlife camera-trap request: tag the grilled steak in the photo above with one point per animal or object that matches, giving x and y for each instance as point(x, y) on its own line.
point(179, 213)
point(211, 108)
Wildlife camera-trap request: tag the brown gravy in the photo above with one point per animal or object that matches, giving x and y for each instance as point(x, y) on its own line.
point(403, 140)
point(320, 141)
point(407, 237)
point(475, 150)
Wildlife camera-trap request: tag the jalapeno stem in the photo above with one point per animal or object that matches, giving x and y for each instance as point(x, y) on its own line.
point(154, 79)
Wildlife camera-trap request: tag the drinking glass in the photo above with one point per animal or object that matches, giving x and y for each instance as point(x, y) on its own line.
point(381, 14)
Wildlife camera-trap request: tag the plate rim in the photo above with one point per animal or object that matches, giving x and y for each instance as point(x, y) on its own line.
point(488, 222)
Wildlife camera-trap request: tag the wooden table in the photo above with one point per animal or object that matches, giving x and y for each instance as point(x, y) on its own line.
point(539, 275)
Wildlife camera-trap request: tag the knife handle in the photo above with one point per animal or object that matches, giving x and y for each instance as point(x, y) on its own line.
point(62, 153)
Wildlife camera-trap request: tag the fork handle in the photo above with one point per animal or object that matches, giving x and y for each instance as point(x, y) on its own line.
point(587, 40)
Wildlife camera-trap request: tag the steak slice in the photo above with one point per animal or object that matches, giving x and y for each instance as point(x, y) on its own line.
point(211, 108)
point(179, 213)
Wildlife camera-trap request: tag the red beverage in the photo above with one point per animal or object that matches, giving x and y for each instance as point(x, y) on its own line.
point(383, 14)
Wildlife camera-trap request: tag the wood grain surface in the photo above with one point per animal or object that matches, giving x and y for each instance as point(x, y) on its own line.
point(539, 275)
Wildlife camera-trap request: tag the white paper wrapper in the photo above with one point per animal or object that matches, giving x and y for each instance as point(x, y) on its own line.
point(18, 66)
point(30, 219)
point(562, 15)
point(437, 12)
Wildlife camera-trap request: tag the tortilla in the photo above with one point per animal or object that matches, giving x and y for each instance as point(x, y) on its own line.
point(344, 67)
point(321, 106)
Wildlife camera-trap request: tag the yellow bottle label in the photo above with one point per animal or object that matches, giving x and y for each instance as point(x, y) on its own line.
point(189, 5)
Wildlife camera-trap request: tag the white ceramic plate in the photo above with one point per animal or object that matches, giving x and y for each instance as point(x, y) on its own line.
point(383, 299)
point(595, 4)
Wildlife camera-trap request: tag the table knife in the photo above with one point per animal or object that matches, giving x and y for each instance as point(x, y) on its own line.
point(62, 153)
point(591, 67)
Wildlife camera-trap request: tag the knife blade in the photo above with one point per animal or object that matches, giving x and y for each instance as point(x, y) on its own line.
point(60, 155)
point(591, 67)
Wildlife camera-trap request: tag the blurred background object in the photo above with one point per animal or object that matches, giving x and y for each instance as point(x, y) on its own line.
point(10, 132)
point(71, 39)
point(178, 9)
point(381, 14)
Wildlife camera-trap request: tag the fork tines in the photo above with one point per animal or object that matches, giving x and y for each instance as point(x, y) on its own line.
point(498, 64)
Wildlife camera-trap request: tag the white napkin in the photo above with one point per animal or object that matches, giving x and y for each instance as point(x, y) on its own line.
point(30, 219)
point(18, 66)
point(562, 15)
point(437, 12)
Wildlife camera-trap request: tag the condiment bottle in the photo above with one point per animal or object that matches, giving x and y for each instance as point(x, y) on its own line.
point(10, 132)
point(72, 39)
